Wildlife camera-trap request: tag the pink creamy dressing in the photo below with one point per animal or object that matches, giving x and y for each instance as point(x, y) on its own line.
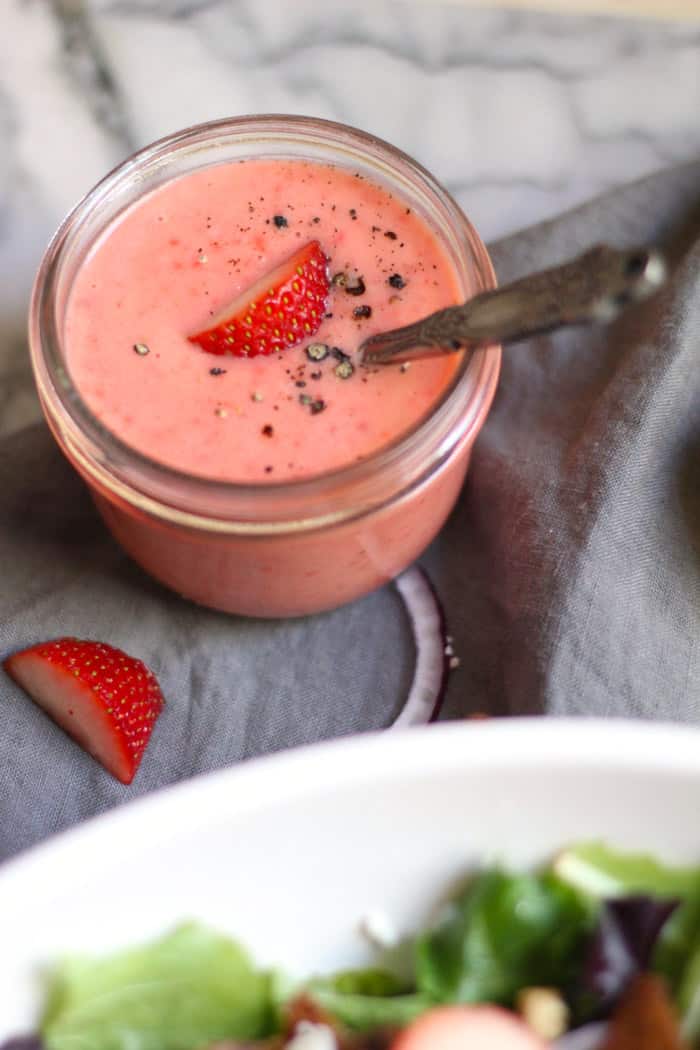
point(186, 250)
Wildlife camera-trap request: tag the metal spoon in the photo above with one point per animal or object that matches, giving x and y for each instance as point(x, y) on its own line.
point(596, 286)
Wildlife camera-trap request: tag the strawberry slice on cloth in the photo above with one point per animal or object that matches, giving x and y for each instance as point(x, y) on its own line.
point(106, 700)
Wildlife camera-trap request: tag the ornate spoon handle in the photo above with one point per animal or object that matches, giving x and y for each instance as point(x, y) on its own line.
point(594, 287)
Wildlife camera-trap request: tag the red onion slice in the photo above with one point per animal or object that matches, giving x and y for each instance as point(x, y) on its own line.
point(434, 659)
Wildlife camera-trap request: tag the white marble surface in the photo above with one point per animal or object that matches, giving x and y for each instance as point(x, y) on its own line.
point(520, 114)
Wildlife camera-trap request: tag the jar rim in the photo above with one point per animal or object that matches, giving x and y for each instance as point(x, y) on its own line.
point(114, 465)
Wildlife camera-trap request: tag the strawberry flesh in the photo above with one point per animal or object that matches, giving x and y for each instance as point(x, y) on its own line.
point(107, 701)
point(478, 1027)
point(276, 313)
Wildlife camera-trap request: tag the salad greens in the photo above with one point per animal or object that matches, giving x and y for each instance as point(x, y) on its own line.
point(601, 872)
point(359, 999)
point(604, 873)
point(363, 1012)
point(503, 933)
point(585, 925)
point(190, 987)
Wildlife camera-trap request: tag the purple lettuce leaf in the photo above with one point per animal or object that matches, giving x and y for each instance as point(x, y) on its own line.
point(620, 947)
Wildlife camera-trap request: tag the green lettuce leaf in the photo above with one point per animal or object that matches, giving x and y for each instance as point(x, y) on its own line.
point(503, 933)
point(367, 998)
point(601, 872)
point(188, 988)
point(679, 940)
point(677, 958)
point(688, 998)
point(364, 1011)
point(371, 982)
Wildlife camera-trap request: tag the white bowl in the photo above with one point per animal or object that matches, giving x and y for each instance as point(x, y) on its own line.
point(289, 853)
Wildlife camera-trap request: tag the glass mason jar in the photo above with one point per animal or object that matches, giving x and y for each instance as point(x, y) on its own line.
point(268, 549)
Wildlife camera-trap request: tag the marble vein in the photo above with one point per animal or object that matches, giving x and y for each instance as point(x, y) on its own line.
point(521, 114)
point(90, 76)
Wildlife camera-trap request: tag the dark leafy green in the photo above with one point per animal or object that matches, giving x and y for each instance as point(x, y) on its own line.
point(370, 981)
point(688, 997)
point(503, 933)
point(677, 958)
point(368, 998)
point(681, 936)
point(367, 1011)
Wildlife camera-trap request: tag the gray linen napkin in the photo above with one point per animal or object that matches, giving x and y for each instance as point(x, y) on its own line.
point(570, 570)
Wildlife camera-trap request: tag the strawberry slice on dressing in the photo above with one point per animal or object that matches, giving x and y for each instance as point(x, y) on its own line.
point(277, 312)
